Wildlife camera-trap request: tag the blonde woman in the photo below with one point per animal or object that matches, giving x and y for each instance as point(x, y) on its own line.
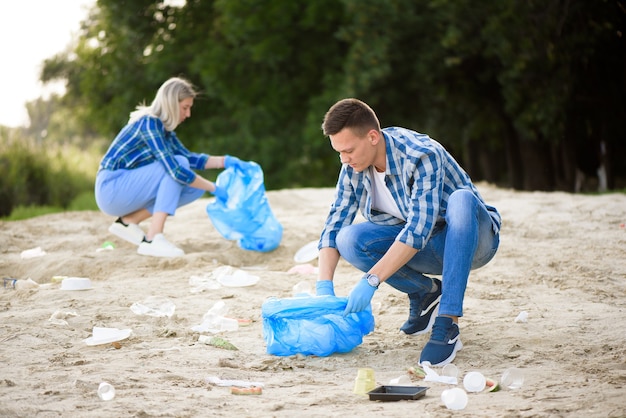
point(147, 172)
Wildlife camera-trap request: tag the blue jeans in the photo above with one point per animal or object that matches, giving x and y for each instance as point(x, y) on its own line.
point(465, 241)
point(150, 187)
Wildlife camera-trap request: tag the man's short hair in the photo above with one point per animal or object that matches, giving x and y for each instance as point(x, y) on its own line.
point(352, 114)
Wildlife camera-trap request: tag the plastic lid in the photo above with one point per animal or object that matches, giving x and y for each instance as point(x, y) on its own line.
point(307, 253)
point(76, 283)
point(238, 278)
point(107, 335)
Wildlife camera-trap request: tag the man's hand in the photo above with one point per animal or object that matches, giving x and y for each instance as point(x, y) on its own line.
point(360, 297)
point(324, 288)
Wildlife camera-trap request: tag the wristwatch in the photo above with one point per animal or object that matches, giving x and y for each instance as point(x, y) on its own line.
point(372, 279)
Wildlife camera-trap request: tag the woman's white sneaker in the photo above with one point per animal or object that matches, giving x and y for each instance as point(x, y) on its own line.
point(159, 247)
point(131, 232)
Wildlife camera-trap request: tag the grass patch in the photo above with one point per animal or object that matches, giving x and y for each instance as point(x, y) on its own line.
point(84, 201)
point(26, 212)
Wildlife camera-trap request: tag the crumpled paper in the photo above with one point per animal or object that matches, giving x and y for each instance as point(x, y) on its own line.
point(59, 316)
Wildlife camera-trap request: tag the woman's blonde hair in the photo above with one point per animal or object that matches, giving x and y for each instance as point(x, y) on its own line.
point(165, 105)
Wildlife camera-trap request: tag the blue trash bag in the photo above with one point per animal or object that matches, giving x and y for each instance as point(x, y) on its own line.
point(246, 217)
point(313, 326)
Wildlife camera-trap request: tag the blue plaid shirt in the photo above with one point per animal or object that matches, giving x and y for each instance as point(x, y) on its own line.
point(145, 141)
point(421, 176)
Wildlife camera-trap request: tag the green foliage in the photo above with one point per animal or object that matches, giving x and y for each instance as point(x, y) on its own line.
point(36, 176)
point(270, 69)
point(515, 89)
point(83, 201)
point(26, 212)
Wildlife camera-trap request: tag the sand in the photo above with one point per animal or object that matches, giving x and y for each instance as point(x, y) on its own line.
point(562, 260)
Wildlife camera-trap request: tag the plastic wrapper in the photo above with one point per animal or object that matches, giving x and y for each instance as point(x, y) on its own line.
point(313, 326)
point(246, 217)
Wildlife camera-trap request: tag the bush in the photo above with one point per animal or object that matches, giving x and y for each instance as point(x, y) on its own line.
point(34, 175)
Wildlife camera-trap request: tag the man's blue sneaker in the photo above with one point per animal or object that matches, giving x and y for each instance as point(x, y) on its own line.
point(423, 312)
point(445, 341)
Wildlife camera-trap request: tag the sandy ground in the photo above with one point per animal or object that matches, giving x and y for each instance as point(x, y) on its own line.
point(562, 260)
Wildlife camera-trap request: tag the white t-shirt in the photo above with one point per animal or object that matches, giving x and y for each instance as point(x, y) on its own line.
point(382, 200)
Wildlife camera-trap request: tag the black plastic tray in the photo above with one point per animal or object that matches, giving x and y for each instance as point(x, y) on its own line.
point(397, 393)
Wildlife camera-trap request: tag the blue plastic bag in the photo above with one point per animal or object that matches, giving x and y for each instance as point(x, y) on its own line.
point(313, 326)
point(246, 217)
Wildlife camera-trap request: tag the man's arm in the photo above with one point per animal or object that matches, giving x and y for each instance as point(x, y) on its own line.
point(397, 256)
point(327, 264)
point(361, 295)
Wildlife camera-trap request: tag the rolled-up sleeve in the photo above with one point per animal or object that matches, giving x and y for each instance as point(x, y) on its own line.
point(196, 161)
point(155, 137)
point(342, 211)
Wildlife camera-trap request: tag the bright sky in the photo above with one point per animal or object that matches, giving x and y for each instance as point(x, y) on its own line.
point(30, 32)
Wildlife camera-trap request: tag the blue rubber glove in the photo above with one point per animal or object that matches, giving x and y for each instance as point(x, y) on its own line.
point(220, 193)
point(360, 297)
point(324, 288)
point(234, 162)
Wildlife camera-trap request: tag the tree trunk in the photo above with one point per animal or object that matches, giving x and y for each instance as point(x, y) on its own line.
point(514, 159)
point(538, 170)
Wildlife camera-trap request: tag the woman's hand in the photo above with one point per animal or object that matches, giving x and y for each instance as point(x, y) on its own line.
point(220, 193)
point(236, 163)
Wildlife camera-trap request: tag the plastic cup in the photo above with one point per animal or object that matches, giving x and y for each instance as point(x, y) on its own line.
point(450, 370)
point(364, 381)
point(106, 391)
point(403, 380)
point(454, 398)
point(474, 382)
point(512, 378)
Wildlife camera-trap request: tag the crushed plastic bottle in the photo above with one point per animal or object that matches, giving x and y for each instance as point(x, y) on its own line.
point(9, 282)
point(215, 320)
point(154, 306)
point(21, 284)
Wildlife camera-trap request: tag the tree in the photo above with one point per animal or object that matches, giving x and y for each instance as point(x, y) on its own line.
point(514, 89)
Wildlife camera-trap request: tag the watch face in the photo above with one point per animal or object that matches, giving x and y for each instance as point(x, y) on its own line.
point(373, 280)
